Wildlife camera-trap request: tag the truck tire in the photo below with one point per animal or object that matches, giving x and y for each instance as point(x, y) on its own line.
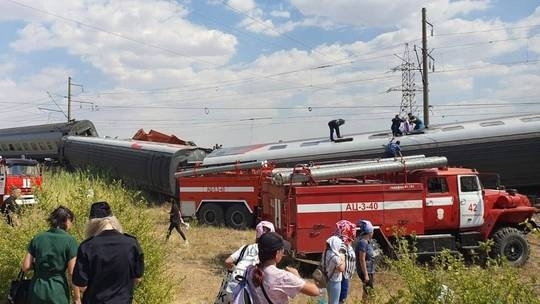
point(238, 217)
point(211, 214)
point(511, 243)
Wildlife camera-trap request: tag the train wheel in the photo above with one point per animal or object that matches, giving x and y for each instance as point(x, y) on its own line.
point(510, 243)
point(211, 214)
point(238, 217)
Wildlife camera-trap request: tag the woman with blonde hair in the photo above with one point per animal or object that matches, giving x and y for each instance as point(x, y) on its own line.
point(109, 263)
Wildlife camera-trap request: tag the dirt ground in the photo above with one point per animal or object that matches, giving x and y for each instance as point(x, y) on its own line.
point(197, 267)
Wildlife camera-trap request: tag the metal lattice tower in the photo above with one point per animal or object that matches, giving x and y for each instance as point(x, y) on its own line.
point(408, 86)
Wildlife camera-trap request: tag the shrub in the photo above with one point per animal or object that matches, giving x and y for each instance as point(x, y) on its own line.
point(77, 191)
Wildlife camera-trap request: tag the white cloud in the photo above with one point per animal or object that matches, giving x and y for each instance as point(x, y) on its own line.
point(280, 14)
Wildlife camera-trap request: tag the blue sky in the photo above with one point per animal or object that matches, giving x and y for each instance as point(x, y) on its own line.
point(239, 72)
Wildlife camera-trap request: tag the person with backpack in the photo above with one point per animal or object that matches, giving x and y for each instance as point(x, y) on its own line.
point(365, 253)
point(237, 263)
point(265, 283)
point(333, 261)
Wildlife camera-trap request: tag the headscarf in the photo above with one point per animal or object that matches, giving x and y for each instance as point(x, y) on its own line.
point(334, 242)
point(346, 231)
point(260, 228)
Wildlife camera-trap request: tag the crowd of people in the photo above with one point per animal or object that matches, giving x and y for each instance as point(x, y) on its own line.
point(266, 283)
point(104, 268)
point(410, 124)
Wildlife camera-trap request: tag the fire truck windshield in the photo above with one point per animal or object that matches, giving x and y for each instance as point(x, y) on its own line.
point(22, 169)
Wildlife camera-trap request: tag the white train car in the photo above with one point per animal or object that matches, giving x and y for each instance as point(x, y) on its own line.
point(508, 146)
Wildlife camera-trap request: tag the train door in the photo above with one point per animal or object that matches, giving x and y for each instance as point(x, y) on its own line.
point(471, 203)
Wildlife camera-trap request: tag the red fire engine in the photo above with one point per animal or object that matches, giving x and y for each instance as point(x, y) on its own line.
point(19, 173)
point(443, 208)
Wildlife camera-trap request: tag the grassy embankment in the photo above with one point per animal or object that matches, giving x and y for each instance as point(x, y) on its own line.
point(176, 273)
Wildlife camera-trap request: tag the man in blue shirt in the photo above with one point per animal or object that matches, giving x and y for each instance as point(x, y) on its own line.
point(418, 123)
point(393, 149)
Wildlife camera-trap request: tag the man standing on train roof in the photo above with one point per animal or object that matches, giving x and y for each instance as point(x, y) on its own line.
point(418, 123)
point(334, 125)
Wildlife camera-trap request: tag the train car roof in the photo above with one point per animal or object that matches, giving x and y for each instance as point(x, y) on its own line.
point(496, 129)
point(132, 144)
point(54, 127)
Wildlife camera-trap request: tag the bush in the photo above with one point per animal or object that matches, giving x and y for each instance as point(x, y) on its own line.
point(77, 191)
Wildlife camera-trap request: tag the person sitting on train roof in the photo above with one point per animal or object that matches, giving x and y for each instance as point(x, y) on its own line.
point(418, 123)
point(334, 126)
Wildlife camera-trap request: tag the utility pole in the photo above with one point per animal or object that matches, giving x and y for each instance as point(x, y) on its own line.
point(69, 97)
point(425, 68)
point(69, 100)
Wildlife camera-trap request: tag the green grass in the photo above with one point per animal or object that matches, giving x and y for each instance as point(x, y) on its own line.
point(78, 191)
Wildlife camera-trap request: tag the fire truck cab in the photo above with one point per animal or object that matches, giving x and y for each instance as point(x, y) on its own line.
point(19, 173)
point(437, 208)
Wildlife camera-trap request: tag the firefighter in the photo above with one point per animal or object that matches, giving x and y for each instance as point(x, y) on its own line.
point(9, 206)
point(334, 126)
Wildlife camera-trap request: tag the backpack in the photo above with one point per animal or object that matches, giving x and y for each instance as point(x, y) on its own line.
point(242, 293)
point(319, 275)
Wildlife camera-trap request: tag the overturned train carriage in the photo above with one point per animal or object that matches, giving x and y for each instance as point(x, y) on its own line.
point(149, 166)
point(41, 141)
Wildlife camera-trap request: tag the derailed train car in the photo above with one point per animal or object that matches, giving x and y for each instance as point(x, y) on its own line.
point(41, 141)
point(147, 165)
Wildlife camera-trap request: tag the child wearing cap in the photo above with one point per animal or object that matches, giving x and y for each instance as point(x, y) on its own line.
point(268, 283)
point(365, 253)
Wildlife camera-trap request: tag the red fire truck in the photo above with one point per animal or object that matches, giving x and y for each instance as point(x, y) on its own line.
point(438, 207)
point(19, 173)
point(443, 208)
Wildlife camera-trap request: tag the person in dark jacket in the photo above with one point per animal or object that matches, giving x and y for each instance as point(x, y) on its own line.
point(396, 124)
point(109, 263)
point(334, 126)
point(175, 219)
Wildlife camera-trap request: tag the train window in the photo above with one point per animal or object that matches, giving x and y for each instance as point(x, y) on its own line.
point(309, 143)
point(25, 146)
point(34, 146)
point(453, 128)
point(49, 145)
point(278, 147)
point(42, 146)
point(491, 123)
point(437, 185)
point(18, 147)
point(529, 119)
point(11, 147)
point(5, 147)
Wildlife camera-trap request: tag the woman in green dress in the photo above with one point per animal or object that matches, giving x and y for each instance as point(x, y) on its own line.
point(50, 254)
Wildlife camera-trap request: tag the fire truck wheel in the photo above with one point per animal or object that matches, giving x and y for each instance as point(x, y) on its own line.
point(511, 243)
point(238, 217)
point(211, 214)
